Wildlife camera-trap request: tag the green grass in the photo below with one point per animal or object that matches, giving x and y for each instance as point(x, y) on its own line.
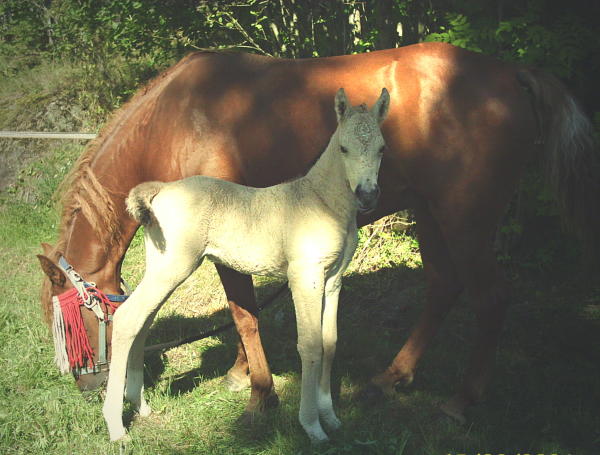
point(543, 398)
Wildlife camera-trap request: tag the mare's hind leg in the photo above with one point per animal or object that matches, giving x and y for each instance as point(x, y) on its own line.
point(238, 376)
point(476, 262)
point(443, 289)
point(240, 295)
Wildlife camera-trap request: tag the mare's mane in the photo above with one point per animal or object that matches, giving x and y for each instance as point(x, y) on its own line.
point(83, 192)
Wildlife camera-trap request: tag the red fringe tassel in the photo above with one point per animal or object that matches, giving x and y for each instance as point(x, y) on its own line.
point(78, 346)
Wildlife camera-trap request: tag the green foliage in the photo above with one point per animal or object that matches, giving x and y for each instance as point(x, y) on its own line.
point(529, 32)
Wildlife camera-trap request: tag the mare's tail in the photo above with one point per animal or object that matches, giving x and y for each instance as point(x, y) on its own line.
point(571, 154)
point(139, 202)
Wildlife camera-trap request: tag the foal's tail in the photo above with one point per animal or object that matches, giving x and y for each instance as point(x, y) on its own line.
point(140, 199)
point(571, 154)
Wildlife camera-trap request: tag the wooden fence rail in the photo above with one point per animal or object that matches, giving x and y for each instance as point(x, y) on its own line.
point(44, 135)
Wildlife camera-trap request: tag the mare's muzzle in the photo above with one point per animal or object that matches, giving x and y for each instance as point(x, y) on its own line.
point(75, 312)
point(367, 197)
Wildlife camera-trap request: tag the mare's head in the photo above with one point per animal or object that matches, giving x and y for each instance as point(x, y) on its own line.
point(361, 145)
point(56, 284)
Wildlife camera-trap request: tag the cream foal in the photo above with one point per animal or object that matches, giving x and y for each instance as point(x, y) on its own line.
point(304, 230)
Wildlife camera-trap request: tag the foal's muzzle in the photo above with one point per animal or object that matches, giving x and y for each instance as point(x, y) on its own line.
point(367, 198)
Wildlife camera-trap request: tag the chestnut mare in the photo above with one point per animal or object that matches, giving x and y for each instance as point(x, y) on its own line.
point(460, 131)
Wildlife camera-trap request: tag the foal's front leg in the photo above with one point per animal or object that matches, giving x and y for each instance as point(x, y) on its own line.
point(307, 285)
point(134, 386)
point(137, 311)
point(329, 331)
point(128, 323)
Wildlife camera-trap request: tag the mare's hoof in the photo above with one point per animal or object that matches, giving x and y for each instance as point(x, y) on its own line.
point(271, 402)
point(92, 381)
point(454, 412)
point(236, 383)
point(371, 394)
point(404, 381)
point(255, 411)
point(250, 418)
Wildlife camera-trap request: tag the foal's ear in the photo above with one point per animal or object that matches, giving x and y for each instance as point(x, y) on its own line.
point(382, 106)
point(57, 278)
point(341, 104)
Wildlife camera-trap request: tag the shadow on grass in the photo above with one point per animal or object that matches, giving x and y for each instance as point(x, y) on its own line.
point(543, 397)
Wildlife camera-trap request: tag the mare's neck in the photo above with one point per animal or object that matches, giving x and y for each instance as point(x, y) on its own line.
point(91, 256)
point(327, 178)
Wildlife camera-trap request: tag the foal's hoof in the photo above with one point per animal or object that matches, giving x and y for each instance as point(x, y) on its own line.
point(456, 412)
point(236, 383)
point(317, 436)
point(144, 410)
point(317, 441)
point(332, 423)
point(120, 436)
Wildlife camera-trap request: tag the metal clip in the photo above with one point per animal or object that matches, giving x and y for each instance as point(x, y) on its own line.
point(95, 307)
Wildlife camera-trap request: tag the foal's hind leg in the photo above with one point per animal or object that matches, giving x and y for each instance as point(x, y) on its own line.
point(443, 289)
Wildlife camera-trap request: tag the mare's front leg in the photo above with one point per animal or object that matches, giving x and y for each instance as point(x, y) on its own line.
point(307, 282)
point(240, 295)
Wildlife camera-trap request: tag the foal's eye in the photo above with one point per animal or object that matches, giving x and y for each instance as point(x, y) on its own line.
point(382, 149)
point(343, 149)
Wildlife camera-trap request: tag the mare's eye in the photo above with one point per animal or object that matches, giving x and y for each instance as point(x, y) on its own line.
point(343, 149)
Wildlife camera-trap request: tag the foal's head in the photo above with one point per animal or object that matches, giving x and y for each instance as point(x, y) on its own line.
point(361, 145)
